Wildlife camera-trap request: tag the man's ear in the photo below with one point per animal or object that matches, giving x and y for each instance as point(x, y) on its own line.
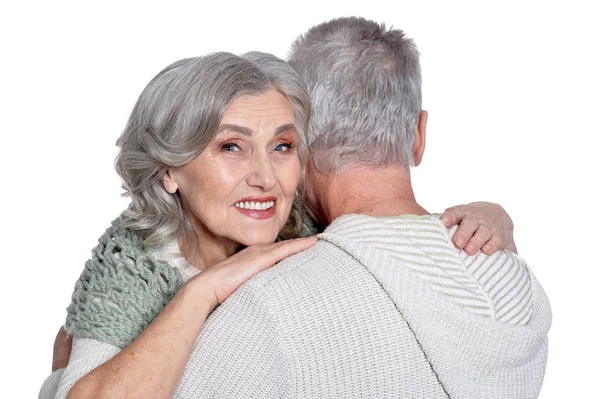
point(420, 136)
point(169, 182)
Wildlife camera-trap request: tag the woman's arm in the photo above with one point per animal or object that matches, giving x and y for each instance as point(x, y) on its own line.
point(152, 365)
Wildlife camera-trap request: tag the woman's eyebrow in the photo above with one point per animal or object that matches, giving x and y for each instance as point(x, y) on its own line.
point(285, 128)
point(248, 132)
point(235, 128)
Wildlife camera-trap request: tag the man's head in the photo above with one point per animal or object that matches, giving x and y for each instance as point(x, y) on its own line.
point(364, 82)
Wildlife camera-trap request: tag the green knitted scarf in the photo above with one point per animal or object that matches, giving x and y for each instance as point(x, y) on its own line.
point(121, 290)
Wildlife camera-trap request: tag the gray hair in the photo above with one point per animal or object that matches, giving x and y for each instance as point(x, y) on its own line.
point(176, 117)
point(364, 84)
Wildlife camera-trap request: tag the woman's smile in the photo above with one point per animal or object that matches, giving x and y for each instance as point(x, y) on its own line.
point(257, 207)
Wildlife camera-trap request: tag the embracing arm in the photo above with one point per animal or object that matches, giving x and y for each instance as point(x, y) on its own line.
point(152, 365)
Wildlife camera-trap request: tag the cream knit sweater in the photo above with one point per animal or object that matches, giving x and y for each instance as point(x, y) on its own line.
point(380, 307)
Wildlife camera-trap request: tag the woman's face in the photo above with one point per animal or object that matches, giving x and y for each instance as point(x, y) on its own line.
point(240, 189)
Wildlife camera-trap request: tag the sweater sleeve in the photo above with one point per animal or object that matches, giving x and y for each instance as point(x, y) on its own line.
point(121, 290)
point(240, 353)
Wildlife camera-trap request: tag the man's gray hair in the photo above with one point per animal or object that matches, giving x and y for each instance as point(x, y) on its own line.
point(364, 83)
point(176, 117)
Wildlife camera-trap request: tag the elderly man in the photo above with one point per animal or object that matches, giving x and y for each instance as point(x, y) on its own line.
point(383, 305)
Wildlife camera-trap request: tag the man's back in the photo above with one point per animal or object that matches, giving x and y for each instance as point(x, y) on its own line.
point(380, 307)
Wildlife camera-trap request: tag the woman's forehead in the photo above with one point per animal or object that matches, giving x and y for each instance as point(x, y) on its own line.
point(271, 103)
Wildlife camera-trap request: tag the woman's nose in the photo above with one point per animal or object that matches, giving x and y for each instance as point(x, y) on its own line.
point(263, 173)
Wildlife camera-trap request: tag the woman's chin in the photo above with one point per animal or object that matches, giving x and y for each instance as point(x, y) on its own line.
point(259, 239)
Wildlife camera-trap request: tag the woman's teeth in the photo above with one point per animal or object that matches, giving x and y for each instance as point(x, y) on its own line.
point(255, 205)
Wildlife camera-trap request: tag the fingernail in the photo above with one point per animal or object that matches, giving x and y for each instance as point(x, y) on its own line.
point(460, 242)
point(470, 248)
point(486, 248)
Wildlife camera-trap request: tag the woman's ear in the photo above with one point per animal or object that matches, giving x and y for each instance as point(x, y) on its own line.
point(420, 135)
point(169, 182)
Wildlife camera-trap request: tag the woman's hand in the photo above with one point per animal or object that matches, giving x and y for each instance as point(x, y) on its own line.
point(222, 279)
point(482, 225)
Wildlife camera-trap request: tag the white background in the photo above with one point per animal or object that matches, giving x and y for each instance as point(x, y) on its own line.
point(512, 90)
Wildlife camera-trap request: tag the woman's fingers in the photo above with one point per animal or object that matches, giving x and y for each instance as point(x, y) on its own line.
point(481, 236)
point(482, 225)
point(467, 226)
point(453, 215)
point(492, 245)
point(283, 249)
point(263, 256)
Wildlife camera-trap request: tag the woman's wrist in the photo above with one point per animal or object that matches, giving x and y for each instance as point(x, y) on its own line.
point(198, 296)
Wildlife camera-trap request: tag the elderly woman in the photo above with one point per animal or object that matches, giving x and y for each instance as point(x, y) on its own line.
point(213, 157)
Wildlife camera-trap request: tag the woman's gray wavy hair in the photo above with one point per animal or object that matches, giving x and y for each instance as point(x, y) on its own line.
point(364, 83)
point(176, 117)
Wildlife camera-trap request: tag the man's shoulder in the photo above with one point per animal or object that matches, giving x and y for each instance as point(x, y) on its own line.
point(341, 245)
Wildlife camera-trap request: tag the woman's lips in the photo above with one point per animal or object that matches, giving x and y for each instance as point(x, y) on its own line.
point(257, 207)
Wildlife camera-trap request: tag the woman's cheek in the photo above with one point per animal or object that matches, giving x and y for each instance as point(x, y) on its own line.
point(296, 173)
point(230, 171)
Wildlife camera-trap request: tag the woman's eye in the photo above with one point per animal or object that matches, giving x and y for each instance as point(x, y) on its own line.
point(283, 147)
point(230, 147)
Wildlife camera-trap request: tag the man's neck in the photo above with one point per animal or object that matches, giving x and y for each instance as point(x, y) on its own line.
point(383, 191)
